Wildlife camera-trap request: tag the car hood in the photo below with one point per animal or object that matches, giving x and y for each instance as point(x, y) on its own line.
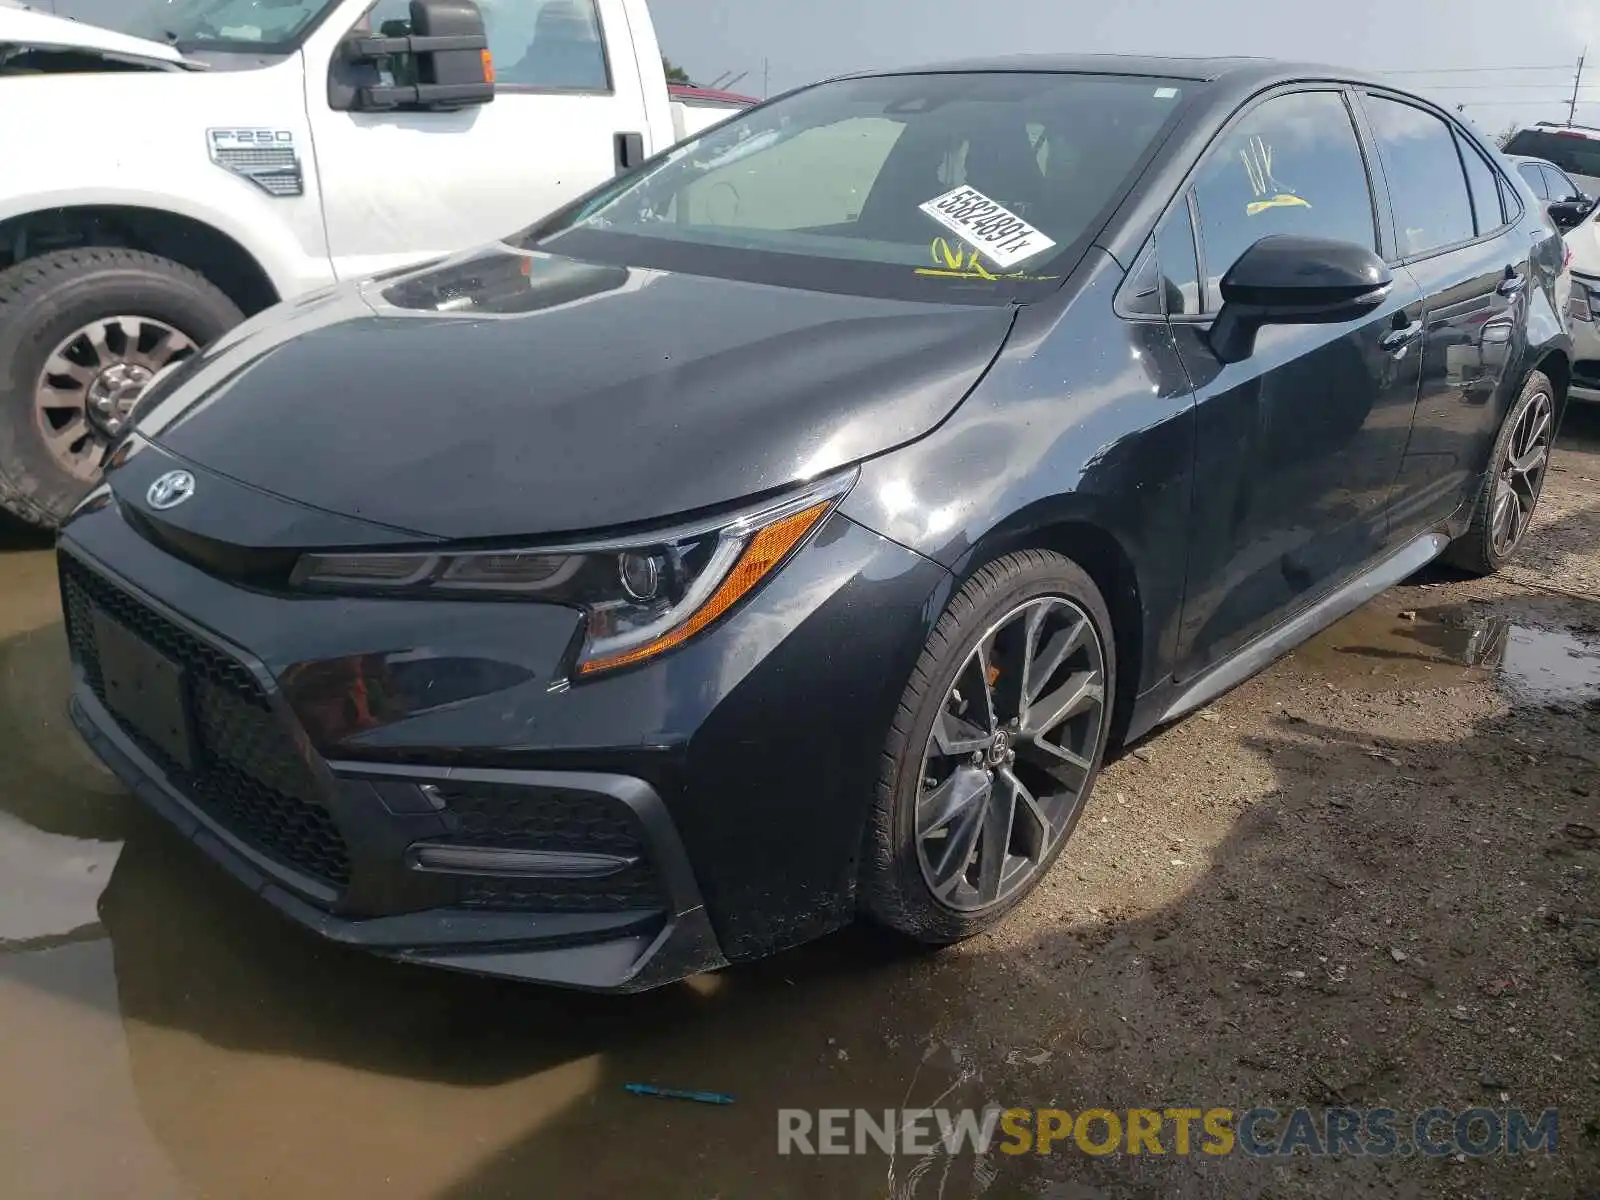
point(29, 27)
point(504, 393)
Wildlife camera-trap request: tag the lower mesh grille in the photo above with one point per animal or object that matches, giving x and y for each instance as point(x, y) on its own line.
point(248, 774)
point(558, 820)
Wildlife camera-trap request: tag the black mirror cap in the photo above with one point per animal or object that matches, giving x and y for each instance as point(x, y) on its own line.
point(449, 19)
point(1286, 271)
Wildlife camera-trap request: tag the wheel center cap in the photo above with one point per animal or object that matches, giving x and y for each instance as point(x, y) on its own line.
point(114, 392)
point(1000, 750)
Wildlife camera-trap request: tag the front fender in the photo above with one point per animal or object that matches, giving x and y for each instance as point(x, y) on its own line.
point(155, 156)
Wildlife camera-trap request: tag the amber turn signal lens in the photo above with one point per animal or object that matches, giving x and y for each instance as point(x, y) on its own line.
point(766, 550)
point(488, 67)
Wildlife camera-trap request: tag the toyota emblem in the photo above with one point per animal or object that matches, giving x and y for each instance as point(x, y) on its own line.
point(170, 490)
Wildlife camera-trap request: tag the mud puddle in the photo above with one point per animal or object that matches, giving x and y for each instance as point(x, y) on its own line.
point(164, 1034)
point(1533, 652)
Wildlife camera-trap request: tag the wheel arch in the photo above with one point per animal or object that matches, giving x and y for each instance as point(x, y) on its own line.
point(1557, 368)
point(1090, 542)
point(186, 240)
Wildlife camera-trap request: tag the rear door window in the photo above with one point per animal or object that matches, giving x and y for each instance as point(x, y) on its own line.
point(1427, 184)
point(1291, 165)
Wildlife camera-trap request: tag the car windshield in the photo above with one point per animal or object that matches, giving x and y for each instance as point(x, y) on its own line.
point(1572, 152)
point(972, 186)
point(261, 26)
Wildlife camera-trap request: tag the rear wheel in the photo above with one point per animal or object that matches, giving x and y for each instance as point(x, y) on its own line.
point(994, 750)
point(81, 334)
point(1513, 482)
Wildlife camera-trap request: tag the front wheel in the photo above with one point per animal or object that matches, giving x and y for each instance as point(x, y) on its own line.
point(994, 750)
point(1513, 482)
point(81, 334)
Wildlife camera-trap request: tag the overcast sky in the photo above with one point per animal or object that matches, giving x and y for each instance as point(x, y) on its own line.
point(1437, 42)
point(806, 39)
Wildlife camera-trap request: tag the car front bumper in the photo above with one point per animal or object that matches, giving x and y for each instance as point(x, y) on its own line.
point(1585, 325)
point(702, 809)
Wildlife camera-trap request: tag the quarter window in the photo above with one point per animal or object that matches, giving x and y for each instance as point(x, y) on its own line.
point(1485, 189)
point(1180, 270)
point(1427, 185)
point(1292, 165)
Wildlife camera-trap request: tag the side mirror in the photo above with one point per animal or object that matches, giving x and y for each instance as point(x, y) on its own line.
point(1568, 214)
point(1288, 280)
point(440, 63)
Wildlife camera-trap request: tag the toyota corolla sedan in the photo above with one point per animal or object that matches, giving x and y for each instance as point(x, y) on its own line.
point(781, 533)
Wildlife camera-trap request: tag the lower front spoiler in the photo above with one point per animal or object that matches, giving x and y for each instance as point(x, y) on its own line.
point(610, 952)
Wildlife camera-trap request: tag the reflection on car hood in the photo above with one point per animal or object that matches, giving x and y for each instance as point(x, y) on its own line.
point(502, 393)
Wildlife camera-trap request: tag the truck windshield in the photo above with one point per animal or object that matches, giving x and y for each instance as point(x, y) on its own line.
point(961, 185)
point(259, 26)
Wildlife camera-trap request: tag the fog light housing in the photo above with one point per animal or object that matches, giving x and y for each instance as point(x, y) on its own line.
point(520, 864)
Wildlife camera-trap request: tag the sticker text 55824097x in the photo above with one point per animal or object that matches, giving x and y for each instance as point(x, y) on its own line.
point(1002, 236)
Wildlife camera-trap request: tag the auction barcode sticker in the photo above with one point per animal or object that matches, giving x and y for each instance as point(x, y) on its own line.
point(1003, 237)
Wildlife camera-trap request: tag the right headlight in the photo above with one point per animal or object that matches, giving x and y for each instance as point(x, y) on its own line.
point(641, 595)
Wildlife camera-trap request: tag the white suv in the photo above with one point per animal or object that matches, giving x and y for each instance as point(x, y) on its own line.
point(1574, 150)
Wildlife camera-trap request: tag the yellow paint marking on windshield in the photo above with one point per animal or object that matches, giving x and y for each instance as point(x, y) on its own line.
point(1270, 193)
point(959, 262)
point(937, 273)
point(1281, 200)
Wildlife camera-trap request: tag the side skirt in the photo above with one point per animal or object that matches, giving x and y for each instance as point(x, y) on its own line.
point(1256, 656)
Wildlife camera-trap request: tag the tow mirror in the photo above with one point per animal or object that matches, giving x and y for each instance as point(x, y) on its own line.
point(1285, 279)
point(439, 60)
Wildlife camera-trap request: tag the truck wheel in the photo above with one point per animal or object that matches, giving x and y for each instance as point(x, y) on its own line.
point(81, 333)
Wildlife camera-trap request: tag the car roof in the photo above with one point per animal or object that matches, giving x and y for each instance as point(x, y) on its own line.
point(1202, 70)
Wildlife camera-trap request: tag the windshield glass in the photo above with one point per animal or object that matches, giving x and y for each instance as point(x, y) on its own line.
point(1572, 152)
point(261, 26)
point(966, 186)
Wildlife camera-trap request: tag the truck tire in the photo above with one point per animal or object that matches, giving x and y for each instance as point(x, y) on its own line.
point(81, 331)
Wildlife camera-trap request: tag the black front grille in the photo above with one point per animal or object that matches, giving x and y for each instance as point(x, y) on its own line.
point(528, 818)
point(248, 774)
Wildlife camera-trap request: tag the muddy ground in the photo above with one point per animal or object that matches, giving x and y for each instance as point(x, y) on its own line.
point(1366, 878)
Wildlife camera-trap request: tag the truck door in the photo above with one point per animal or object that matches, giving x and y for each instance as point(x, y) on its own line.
point(401, 186)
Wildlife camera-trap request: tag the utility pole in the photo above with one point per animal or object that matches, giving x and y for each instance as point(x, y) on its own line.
point(766, 76)
point(1572, 109)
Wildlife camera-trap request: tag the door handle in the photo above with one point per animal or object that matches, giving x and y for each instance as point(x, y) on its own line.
point(1512, 284)
point(629, 151)
point(1399, 339)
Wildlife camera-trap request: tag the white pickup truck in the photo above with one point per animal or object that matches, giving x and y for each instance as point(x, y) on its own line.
point(209, 158)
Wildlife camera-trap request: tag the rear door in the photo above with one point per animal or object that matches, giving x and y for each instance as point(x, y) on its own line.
point(1298, 446)
point(401, 186)
point(1455, 237)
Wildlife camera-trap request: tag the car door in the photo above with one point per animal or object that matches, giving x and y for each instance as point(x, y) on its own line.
point(1455, 237)
point(1299, 444)
point(399, 186)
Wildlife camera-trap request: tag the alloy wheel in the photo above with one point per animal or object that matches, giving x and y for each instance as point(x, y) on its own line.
point(1011, 754)
point(1520, 476)
point(92, 380)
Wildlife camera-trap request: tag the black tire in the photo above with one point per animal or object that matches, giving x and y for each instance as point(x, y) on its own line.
point(42, 301)
point(893, 890)
point(1476, 551)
